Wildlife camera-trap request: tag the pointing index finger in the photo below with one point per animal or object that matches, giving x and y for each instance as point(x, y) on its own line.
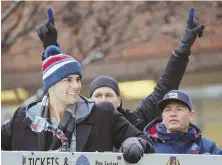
point(191, 14)
point(50, 15)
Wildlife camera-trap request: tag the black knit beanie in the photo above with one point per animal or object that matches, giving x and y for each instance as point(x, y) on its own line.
point(104, 81)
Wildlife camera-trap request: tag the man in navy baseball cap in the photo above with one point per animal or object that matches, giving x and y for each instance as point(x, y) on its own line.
point(173, 132)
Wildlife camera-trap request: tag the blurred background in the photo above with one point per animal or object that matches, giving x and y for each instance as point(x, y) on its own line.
point(130, 41)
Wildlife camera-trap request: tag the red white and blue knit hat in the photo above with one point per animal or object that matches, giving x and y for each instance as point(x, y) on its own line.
point(58, 66)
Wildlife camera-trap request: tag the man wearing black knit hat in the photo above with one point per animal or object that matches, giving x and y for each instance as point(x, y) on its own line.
point(106, 88)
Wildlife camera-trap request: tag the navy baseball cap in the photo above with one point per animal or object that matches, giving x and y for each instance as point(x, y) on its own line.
point(175, 95)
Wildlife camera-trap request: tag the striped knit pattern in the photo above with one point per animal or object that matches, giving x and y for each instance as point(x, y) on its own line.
point(57, 67)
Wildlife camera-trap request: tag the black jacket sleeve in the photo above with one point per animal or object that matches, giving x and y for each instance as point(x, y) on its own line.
point(169, 80)
point(7, 132)
point(122, 129)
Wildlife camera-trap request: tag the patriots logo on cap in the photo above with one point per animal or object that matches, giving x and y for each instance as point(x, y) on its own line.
point(173, 95)
point(173, 161)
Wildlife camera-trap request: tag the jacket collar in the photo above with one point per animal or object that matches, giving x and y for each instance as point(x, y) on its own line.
point(157, 129)
point(177, 136)
point(83, 109)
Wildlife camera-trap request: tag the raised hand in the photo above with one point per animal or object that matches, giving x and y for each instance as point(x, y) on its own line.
point(47, 31)
point(193, 28)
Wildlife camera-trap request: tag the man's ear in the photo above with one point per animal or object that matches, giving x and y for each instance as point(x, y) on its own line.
point(51, 90)
point(192, 116)
point(119, 101)
point(162, 119)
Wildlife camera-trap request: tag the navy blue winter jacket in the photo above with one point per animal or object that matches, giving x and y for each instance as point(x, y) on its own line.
point(190, 142)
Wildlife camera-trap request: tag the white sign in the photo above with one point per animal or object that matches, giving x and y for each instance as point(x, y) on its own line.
point(45, 160)
point(106, 158)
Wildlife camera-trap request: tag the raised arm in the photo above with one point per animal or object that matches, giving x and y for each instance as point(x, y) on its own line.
point(172, 75)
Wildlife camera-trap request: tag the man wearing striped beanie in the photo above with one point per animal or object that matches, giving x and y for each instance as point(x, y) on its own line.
point(86, 126)
point(61, 72)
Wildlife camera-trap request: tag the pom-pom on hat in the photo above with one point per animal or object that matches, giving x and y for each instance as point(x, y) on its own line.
point(57, 66)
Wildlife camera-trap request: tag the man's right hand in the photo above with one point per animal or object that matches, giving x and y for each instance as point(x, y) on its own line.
point(132, 150)
point(47, 31)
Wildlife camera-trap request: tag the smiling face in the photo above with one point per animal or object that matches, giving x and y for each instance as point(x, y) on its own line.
point(66, 91)
point(177, 117)
point(106, 94)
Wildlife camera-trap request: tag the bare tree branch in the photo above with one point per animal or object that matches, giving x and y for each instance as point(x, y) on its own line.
point(9, 39)
point(10, 10)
